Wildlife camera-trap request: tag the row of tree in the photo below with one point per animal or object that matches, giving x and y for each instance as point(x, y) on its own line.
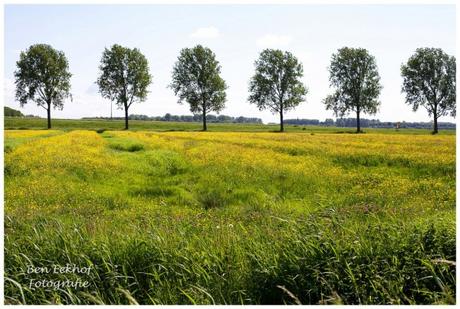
point(368, 123)
point(43, 76)
point(189, 118)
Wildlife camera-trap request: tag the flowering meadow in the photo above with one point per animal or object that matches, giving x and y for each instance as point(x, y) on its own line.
point(230, 217)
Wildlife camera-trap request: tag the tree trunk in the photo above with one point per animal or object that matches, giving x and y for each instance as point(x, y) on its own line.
point(435, 123)
point(126, 117)
point(49, 115)
point(281, 118)
point(281, 122)
point(205, 127)
point(358, 124)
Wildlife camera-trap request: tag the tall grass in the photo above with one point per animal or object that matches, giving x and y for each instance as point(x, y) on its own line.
point(230, 265)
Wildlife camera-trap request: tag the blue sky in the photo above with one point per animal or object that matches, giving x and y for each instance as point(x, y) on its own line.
point(237, 34)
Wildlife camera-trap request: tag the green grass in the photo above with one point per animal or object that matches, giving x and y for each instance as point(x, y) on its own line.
point(15, 123)
point(232, 218)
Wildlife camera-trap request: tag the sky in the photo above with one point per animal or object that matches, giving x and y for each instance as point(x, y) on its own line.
point(236, 34)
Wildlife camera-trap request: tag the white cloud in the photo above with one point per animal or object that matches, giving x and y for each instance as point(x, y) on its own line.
point(92, 89)
point(9, 89)
point(274, 40)
point(205, 33)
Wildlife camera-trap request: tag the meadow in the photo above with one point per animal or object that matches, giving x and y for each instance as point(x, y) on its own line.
point(17, 123)
point(304, 217)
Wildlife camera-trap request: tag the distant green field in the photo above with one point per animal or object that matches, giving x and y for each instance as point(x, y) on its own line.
point(15, 123)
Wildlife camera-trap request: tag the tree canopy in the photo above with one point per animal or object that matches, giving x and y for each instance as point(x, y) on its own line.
point(354, 75)
point(124, 77)
point(196, 80)
point(276, 84)
point(429, 81)
point(43, 76)
point(11, 112)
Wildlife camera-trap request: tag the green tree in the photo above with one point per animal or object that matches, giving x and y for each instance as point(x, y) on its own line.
point(196, 80)
point(276, 84)
point(354, 75)
point(429, 81)
point(42, 76)
point(10, 112)
point(124, 77)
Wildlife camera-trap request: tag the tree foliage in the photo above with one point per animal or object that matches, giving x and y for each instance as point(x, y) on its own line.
point(124, 77)
point(429, 81)
point(43, 76)
point(354, 75)
point(196, 80)
point(11, 112)
point(276, 84)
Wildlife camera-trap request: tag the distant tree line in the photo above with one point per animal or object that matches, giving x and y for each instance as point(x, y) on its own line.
point(188, 118)
point(368, 123)
point(10, 112)
point(429, 81)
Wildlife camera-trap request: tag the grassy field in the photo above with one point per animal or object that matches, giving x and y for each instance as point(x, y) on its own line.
point(16, 123)
point(305, 217)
